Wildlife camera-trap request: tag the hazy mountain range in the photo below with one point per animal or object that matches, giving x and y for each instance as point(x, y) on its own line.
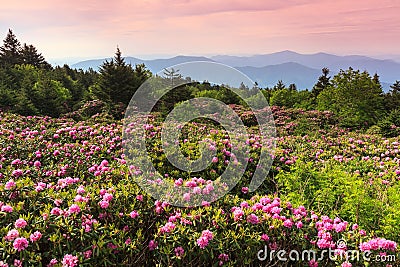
point(290, 67)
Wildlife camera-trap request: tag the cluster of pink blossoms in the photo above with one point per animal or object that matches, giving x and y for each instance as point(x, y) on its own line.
point(378, 243)
point(205, 237)
point(69, 261)
point(106, 198)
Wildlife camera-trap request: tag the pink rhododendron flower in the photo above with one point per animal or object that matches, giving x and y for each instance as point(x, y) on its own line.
point(10, 184)
point(74, 209)
point(104, 204)
point(11, 235)
point(179, 251)
point(205, 237)
point(238, 214)
point(253, 219)
point(52, 263)
point(20, 223)
point(20, 243)
point(69, 261)
point(202, 242)
point(107, 197)
point(288, 223)
point(152, 245)
point(134, 214)
point(6, 208)
point(35, 236)
point(264, 237)
point(17, 263)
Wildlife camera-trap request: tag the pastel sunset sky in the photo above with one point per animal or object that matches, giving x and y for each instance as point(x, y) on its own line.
point(145, 28)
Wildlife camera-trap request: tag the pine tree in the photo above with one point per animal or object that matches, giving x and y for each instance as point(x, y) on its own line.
point(395, 87)
point(355, 97)
point(392, 98)
point(292, 87)
point(322, 83)
point(172, 75)
point(30, 55)
point(118, 81)
point(10, 52)
point(279, 86)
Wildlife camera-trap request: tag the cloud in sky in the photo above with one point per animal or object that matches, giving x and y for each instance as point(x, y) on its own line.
point(94, 28)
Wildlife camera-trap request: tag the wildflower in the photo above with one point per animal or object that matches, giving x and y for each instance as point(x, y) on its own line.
point(74, 209)
point(35, 236)
point(12, 234)
point(107, 197)
point(253, 219)
point(264, 237)
point(205, 237)
point(134, 214)
point(20, 223)
point(52, 263)
point(313, 263)
point(69, 261)
point(104, 204)
point(10, 184)
point(20, 243)
point(288, 223)
point(179, 251)
point(6, 208)
point(238, 214)
point(152, 245)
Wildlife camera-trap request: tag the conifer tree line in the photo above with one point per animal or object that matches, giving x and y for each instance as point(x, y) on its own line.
point(29, 85)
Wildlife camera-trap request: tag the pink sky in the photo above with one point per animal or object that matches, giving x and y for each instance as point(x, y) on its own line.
point(93, 28)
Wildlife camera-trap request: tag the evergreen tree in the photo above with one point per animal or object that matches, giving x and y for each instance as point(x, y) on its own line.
point(395, 87)
point(392, 98)
point(355, 96)
point(30, 55)
point(292, 87)
point(280, 85)
point(322, 83)
point(118, 82)
point(172, 75)
point(10, 52)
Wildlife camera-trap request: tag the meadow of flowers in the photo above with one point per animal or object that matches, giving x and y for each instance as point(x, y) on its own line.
point(67, 197)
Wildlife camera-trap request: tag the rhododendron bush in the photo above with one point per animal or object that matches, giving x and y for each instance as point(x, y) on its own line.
point(67, 197)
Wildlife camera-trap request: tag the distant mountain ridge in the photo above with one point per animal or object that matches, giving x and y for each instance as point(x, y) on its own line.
point(288, 66)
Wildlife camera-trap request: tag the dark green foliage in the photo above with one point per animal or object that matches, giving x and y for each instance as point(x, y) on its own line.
point(10, 52)
point(31, 56)
point(392, 98)
point(118, 82)
point(390, 125)
point(354, 96)
point(322, 83)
